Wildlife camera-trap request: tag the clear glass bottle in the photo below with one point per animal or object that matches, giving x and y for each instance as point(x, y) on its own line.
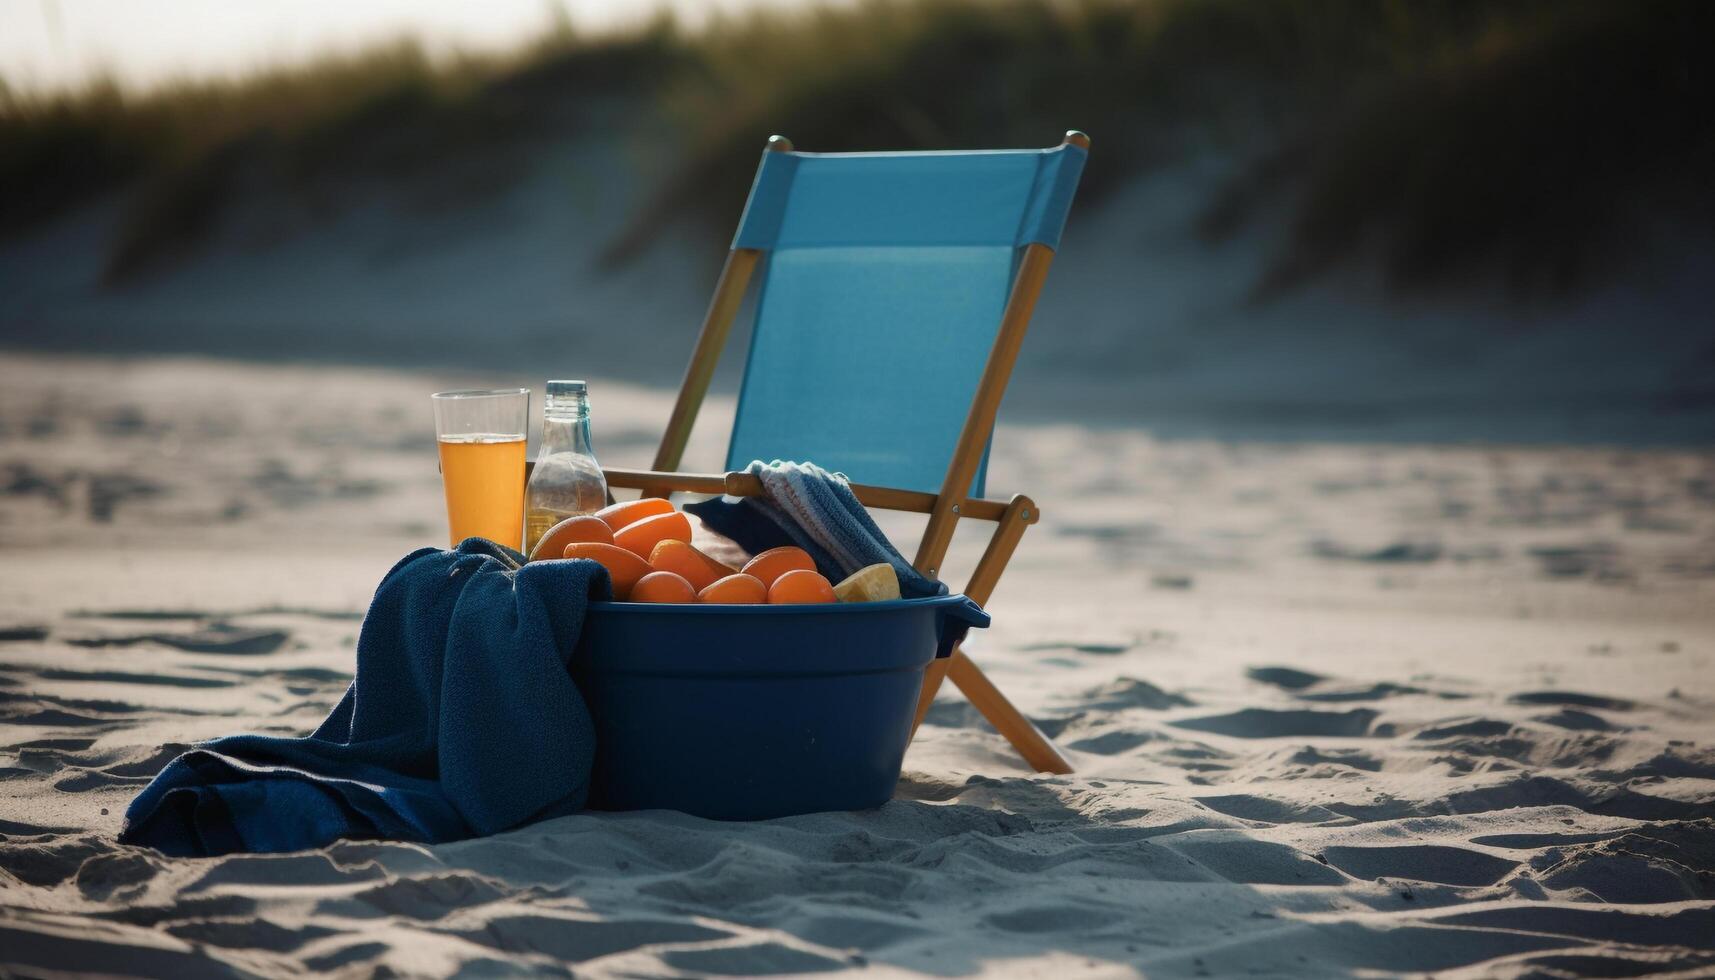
point(567, 480)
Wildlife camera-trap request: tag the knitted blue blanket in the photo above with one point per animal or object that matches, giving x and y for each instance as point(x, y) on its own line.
point(808, 506)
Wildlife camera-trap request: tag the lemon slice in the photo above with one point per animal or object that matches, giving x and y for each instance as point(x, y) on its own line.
point(873, 583)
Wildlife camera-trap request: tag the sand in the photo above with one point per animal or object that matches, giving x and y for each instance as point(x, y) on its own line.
point(1337, 709)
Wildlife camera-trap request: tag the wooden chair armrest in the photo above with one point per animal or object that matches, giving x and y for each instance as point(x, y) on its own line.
point(747, 485)
point(655, 481)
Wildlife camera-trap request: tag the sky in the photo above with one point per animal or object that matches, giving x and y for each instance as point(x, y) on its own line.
point(56, 44)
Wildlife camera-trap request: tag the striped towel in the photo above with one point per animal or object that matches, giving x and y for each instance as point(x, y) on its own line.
point(805, 505)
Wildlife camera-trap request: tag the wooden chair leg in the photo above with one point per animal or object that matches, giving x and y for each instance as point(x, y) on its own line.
point(1020, 513)
point(1036, 747)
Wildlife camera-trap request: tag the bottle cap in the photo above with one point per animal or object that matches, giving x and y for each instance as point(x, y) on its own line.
point(567, 389)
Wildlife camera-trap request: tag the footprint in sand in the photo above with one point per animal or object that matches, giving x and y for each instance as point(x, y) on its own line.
point(1344, 758)
point(1600, 560)
point(47, 863)
point(256, 934)
point(346, 956)
point(14, 828)
point(1572, 699)
point(1301, 682)
point(763, 959)
point(1100, 648)
point(1129, 692)
point(146, 762)
point(1527, 791)
point(41, 950)
point(1089, 723)
point(577, 940)
point(423, 897)
point(1435, 863)
point(117, 874)
point(123, 677)
point(23, 634)
point(1263, 809)
point(298, 869)
point(1271, 723)
point(188, 908)
point(1395, 553)
point(57, 744)
point(1246, 861)
point(87, 780)
point(1629, 870)
point(1113, 742)
point(1578, 721)
point(1055, 919)
point(1466, 728)
point(49, 712)
point(1285, 677)
point(1687, 928)
point(216, 638)
point(854, 931)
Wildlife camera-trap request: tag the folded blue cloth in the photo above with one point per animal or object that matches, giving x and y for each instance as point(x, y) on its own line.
point(805, 505)
point(462, 720)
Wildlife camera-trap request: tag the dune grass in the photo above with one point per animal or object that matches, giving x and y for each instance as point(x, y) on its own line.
point(381, 112)
point(1452, 139)
point(1520, 142)
point(66, 147)
point(1150, 79)
point(1535, 158)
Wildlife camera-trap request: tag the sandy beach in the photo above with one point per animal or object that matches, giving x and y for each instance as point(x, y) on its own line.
point(1336, 708)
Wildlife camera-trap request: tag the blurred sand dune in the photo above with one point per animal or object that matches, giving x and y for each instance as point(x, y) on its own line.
point(1148, 324)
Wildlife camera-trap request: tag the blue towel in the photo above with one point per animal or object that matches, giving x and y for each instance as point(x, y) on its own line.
point(805, 505)
point(462, 720)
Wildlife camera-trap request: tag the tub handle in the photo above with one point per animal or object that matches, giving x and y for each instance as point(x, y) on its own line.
point(956, 619)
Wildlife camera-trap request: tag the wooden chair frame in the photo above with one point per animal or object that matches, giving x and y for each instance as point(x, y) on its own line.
point(944, 508)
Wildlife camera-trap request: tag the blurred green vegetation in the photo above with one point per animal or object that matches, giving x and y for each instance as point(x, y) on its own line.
point(184, 142)
point(1521, 140)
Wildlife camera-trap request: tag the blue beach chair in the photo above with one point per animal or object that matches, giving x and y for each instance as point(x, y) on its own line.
point(882, 279)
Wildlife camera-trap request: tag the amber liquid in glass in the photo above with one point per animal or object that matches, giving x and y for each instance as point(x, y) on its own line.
point(484, 476)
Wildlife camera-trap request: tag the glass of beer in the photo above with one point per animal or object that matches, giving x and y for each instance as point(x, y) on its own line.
point(481, 436)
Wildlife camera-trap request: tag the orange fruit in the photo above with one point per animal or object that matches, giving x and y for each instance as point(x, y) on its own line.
point(684, 560)
point(626, 512)
point(740, 588)
point(623, 567)
point(572, 529)
point(775, 562)
point(662, 587)
point(641, 537)
point(799, 585)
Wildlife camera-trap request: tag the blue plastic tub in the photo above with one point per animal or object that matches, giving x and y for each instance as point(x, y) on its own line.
point(750, 712)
